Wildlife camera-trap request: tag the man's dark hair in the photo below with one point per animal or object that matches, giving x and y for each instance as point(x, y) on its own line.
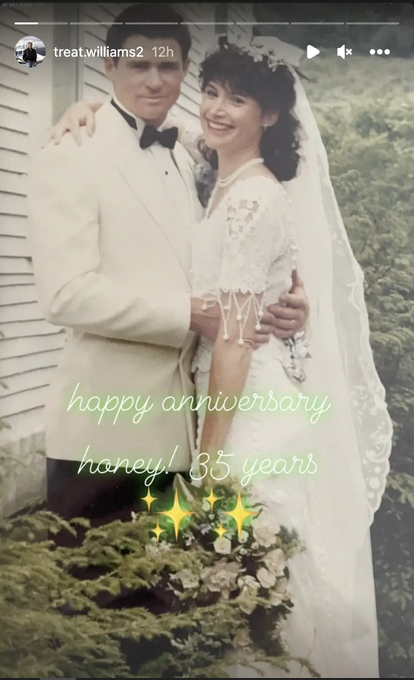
point(151, 21)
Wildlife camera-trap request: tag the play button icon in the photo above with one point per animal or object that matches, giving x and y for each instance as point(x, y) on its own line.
point(312, 51)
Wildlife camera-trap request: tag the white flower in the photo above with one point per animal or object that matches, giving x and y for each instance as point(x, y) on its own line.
point(264, 535)
point(282, 586)
point(134, 516)
point(275, 561)
point(205, 528)
point(206, 506)
point(222, 546)
point(186, 578)
point(255, 545)
point(243, 537)
point(266, 578)
point(247, 604)
point(152, 550)
point(249, 585)
point(275, 599)
point(243, 551)
point(221, 577)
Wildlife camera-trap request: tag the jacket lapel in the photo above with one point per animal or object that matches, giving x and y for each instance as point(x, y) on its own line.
point(144, 183)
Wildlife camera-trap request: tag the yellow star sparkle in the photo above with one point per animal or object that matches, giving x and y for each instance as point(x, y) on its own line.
point(240, 514)
point(212, 499)
point(176, 514)
point(149, 499)
point(221, 530)
point(158, 531)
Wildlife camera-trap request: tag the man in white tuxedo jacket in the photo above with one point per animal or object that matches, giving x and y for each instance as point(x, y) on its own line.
point(110, 232)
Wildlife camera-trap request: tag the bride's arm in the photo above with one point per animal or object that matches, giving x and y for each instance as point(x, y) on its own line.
point(229, 368)
point(76, 116)
point(248, 250)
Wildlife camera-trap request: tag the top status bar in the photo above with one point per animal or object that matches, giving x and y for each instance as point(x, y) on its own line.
point(207, 23)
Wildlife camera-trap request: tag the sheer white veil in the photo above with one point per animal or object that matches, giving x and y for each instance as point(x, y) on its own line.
point(339, 333)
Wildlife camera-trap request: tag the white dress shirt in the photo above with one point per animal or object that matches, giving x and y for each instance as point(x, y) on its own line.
point(172, 185)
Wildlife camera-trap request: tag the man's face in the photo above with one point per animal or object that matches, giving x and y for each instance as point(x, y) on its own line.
point(148, 85)
point(30, 45)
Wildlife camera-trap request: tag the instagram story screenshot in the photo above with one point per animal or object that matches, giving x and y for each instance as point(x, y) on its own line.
point(207, 333)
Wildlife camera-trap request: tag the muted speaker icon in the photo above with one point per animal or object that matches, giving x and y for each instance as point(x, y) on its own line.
point(344, 51)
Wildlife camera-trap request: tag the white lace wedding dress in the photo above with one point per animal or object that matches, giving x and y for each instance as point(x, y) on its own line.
point(246, 244)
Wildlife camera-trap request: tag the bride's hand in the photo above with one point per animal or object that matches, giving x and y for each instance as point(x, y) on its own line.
point(76, 116)
point(291, 312)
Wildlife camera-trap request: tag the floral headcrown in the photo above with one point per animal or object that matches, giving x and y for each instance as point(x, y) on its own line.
point(263, 47)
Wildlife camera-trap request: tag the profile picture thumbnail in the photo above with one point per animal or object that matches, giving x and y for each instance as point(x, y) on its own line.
point(30, 51)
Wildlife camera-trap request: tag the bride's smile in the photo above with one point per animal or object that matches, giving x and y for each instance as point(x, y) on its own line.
point(230, 121)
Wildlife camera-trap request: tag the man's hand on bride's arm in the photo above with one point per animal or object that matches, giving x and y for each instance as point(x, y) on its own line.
point(76, 116)
point(290, 314)
point(206, 322)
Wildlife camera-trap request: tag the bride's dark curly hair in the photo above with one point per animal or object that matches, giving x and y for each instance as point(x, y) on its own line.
point(272, 90)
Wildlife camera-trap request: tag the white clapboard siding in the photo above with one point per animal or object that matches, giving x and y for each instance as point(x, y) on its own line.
point(20, 365)
point(241, 14)
point(12, 404)
point(20, 347)
point(13, 225)
point(27, 311)
point(15, 265)
point(21, 382)
point(29, 346)
point(21, 329)
point(94, 85)
point(200, 17)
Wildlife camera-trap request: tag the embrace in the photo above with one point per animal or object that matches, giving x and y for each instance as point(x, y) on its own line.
point(215, 262)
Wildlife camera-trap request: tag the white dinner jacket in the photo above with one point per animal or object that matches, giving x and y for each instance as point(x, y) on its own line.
point(113, 265)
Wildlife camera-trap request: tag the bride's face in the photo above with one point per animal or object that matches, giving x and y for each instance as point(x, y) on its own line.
point(230, 121)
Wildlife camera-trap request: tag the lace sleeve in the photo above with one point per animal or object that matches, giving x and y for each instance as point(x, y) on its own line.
point(254, 235)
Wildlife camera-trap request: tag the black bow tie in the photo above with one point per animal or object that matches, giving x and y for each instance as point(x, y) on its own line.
point(150, 134)
point(166, 137)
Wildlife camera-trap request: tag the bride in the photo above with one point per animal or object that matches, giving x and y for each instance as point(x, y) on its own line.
point(273, 210)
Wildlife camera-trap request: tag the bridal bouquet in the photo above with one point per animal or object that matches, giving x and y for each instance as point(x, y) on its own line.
point(233, 590)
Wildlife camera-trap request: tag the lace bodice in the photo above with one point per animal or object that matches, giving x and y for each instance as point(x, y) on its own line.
point(246, 245)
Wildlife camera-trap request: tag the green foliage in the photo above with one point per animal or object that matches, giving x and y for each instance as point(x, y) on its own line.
point(399, 39)
point(63, 611)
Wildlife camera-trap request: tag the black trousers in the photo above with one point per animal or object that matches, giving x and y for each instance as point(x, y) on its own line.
point(101, 498)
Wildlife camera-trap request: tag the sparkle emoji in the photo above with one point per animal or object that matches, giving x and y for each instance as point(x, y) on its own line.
point(212, 499)
point(220, 530)
point(158, 531)
point(176, 514)
point(240, 514)
point(149, 499)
